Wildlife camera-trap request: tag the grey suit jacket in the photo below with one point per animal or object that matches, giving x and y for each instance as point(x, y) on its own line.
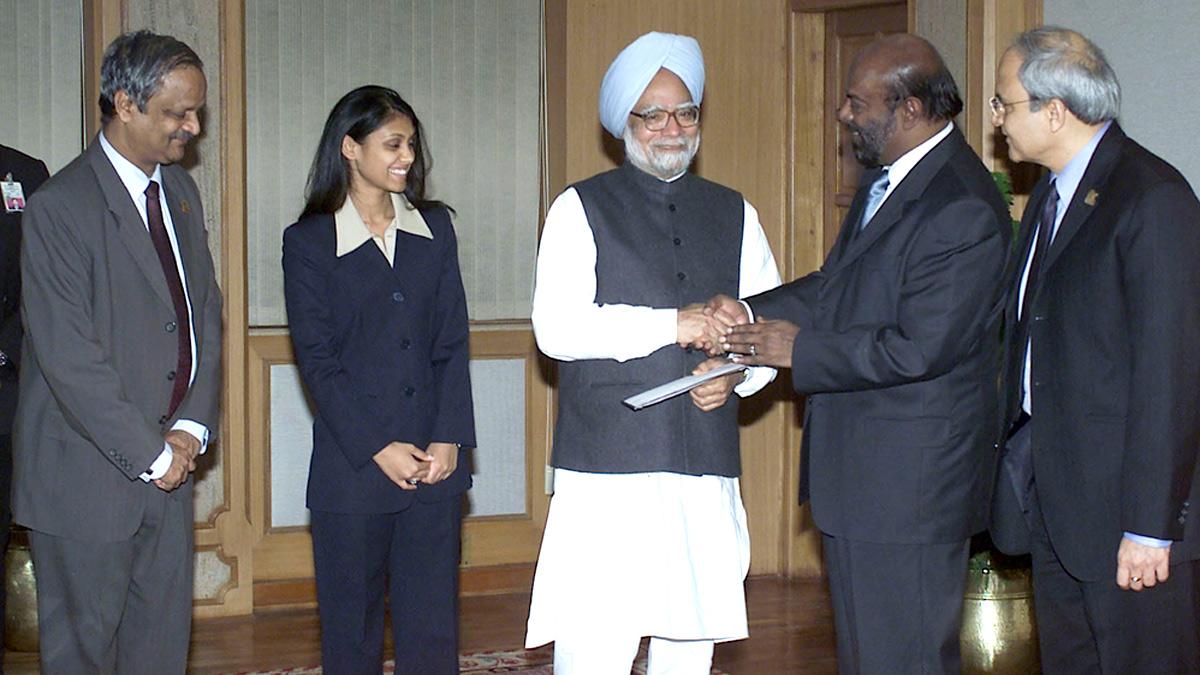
point(100, 353)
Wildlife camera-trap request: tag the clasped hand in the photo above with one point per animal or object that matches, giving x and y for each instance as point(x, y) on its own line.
point(184, 450)
point(703, 326)
point(723, 325)
point(406, 465)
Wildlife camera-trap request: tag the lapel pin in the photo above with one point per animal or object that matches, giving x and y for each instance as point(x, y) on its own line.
point(187, 208)
point(1091, 198)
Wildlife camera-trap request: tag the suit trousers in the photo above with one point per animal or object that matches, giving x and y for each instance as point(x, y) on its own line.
point(1095, 627)
point(118, 607)
point(411, 558)
point(897, 608)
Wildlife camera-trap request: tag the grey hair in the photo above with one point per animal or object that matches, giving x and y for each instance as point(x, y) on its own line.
point(137, 63)
point(1060, 63)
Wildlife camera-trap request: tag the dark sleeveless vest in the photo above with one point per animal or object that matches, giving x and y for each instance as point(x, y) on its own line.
point(662, 245)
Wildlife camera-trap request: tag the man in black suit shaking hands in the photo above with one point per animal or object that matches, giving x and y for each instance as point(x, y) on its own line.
point(895, 340)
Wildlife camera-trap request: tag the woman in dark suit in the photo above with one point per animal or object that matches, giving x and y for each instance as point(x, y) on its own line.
point(378, 319)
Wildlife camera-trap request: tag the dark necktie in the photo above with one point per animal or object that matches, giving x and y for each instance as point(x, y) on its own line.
point(181, 325)
point(1032, 280)
point(875, 194)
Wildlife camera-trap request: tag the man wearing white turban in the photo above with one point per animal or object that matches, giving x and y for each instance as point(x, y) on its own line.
point(646, 534)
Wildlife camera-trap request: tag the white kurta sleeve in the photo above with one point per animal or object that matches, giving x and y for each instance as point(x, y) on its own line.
point(758, 273)
point(567, 322)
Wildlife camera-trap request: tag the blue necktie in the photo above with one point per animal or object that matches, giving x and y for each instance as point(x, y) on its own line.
point(874, 198)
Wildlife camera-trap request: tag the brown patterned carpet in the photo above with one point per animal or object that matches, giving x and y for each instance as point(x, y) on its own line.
point(519, 662)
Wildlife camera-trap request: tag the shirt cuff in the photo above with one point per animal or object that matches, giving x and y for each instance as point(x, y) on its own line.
point(197, 430)
point(749, 312)
point(1147, 541)
point(159, 468)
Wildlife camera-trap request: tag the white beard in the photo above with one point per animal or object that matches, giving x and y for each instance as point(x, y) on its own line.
point(660, 162)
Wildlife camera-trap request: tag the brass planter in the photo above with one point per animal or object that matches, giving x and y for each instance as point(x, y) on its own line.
point(21, 619)
point(999, 632)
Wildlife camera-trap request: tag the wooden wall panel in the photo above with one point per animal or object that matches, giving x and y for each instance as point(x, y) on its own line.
point(745, 146)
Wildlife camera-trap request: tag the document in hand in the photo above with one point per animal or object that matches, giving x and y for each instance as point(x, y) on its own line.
point(676, 387)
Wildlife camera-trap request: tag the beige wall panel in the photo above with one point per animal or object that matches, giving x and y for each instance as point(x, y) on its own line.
point(197, 23)
point(213, 30)
point(745, 146)
point(41, 111)
point(944, 22)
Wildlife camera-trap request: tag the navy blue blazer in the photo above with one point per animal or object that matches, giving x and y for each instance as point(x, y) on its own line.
point(383, 352)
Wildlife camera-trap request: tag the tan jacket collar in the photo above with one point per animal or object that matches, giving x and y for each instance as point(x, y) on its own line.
point(352, 232)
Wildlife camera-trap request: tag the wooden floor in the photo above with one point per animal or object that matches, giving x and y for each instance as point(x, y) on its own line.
point(791, 631)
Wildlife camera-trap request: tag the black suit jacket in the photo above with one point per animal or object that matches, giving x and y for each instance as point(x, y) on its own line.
point(897, 351)
point(30, 173)
point(1115, 367)
point(384, 353)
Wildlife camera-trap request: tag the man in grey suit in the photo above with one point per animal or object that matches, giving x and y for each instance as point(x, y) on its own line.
point(120, 373)
point(894, 341)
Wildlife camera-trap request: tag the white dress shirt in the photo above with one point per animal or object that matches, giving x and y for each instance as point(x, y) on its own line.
point(136, 181)
point(906, 162)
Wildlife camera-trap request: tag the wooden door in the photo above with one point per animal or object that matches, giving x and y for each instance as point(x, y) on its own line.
point(846, 32)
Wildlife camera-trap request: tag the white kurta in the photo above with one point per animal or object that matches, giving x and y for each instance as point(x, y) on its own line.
point(660, 554)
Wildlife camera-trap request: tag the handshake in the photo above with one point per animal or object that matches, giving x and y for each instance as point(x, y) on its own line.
point(705, 326)
point(722, 326)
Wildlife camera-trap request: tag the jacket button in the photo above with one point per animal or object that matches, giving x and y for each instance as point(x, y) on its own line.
point(398, 296)
point(1038, 317)
point(671, 208)
point(171, 375)
point(681, 276)
point(405, 343)
point(678, 241)
point(409, 391)
point(162, 420)
point(170, 327)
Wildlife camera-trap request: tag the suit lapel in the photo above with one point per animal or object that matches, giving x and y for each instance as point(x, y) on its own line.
point(1089, 193)
point(893, 209)
point(130, 226)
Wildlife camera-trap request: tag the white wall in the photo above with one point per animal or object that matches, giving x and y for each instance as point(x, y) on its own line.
point(1153, 47)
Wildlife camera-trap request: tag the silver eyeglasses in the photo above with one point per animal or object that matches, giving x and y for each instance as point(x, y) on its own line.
point(1000, 107)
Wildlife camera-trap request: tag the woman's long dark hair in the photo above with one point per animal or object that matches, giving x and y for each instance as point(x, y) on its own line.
point(357, 115)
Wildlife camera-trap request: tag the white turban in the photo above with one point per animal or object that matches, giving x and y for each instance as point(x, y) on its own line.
point(636, 65)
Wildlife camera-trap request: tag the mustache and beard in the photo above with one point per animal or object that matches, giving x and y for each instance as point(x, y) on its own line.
point(868, 140)
point(666, 158)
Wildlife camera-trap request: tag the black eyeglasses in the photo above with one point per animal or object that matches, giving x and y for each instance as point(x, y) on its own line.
point(656, 119)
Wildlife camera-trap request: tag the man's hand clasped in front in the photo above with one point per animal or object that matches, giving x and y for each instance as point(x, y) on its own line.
point(184, 450)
